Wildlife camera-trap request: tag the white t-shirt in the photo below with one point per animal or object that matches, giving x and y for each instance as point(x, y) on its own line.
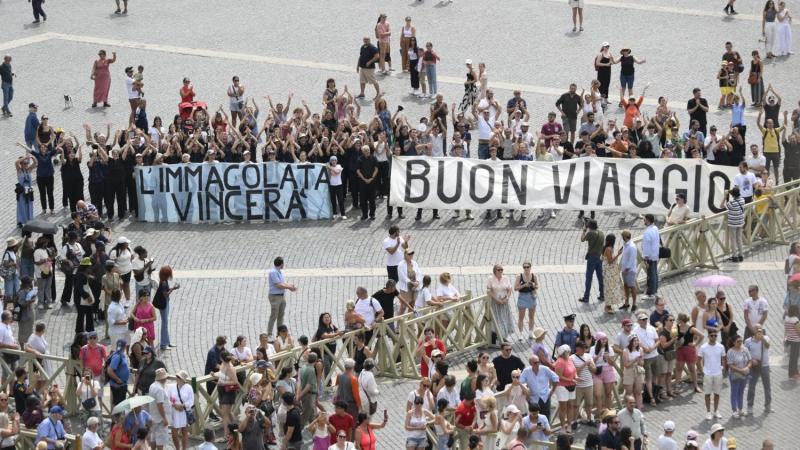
point(745, 183)
point(757, 162)
point(132, 94)
point(116, 312)
point(723, 444)
point(393, 259)
point(245, 354)
point(90, 440)
point(622, 339)
point(423, 297)
point(122, 259)
point(6, 336)
point(647, 338)
point(755, 309)
point(712, 358)
point(368, 308)
point(667, 443)
point(336, 175)
point(159, 393)
point(446, 290)
point(600, 362)
point(85, 393)
point(39, 255)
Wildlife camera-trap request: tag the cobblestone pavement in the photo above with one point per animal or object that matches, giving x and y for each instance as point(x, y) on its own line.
point(277, 49)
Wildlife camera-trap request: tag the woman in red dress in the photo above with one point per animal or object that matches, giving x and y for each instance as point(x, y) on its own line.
point(187, 91)
point(102, 78)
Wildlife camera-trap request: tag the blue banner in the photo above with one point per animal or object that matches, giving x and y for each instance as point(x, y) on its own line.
point(226, 192)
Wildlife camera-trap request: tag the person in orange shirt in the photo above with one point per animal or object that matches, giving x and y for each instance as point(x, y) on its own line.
point(619, 148)
point(631, 107)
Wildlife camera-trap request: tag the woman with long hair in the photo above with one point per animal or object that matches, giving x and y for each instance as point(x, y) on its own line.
point(784, 31)
point(164, 290)
point(327, 330)
point(612, 286)
point(228, 387)
point(470, 89)
point(769, 28)
point(633, 369)
point(364, 436)
point(383, 35)
point(414, 54)
point(791, 332)
point(602, 64)
point(123, 257)
point(756, 79)
point(604, 360)
point(144, 315)
point(689, 339)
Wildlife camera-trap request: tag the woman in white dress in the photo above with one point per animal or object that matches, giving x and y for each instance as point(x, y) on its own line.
point(783, 46)
point(769, 27)
point(182, 399)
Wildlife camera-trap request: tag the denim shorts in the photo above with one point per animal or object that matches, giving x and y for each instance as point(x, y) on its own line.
point(416, 441)
point(626, 81)
point(526, 300)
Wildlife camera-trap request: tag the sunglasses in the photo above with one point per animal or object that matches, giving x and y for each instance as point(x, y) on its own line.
point(515, 377)
point(341, 436)
point(712, 334)
point(526, 267)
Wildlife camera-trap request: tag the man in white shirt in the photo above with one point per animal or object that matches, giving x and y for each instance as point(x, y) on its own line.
point(584, 388)
point(208, 438)
point(755, 311)
point(711, 144)
point(117, 319)
point(712, 356)
point(370, 309)
point(133, 93)
point(160, 410)
point(7, 340)
point(91, 441)
point(449, 392)
point(745, 181)
point(755, 161)
point(648, 340)
point(485, 127)
point(394, 246)
point(633, 418)
point(665, 441)
point(650, 245)
point(629, 265)
point(758, 346)
point(405, 285)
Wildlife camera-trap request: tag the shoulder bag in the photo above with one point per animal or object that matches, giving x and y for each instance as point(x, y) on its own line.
point(373, 406)
point(663, 252)
point(190, 418)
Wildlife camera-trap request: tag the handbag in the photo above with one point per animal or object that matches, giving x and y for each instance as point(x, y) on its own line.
point(663, 252)
point(159, 301)
point(752, 79)
point(89, 403)
point(190, 418)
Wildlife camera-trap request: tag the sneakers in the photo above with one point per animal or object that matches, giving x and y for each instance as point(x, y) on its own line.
point(717, 415)
point(735, 415)
point(343, 217)
point(709, 415)
point(583, 300)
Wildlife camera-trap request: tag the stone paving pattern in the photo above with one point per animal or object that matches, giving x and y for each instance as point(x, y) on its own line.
point(682, 45)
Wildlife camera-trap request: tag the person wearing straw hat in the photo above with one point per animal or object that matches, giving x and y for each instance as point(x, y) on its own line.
point(160, 410)
point(181, 398)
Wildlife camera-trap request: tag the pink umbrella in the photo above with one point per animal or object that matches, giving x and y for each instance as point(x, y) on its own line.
point(714, 281)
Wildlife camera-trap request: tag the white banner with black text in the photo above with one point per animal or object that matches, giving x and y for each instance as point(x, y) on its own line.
point(587, 184)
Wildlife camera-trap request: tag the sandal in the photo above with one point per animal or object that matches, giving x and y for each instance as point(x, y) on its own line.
point(625, 306)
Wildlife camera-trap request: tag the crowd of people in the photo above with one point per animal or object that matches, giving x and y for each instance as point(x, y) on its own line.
point(503, 402)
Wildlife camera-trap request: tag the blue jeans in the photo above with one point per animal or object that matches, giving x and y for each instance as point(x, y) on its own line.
point(652, 277)
point(756, 373)
point(8, 95)
point(594, 265)
point(430, 71)
point(737, 393)
point(11, 286)
point(164, 341)
point(483, 151)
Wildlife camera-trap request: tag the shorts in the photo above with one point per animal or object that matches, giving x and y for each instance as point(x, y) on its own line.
point(563, 395)
point(629, 278)
point(415, 442)
point(630, 376)
point(626, 81)
point(576, 3)
point(159, 435)
point(526, 300)
point(650, 368)
point(663, 366)
point(687, 354)
point(712, 384)
point(226, 398)
point(569, 124)
point(584, 395)
point(126, 278)
point(607, 376)
point(725, 90)
point(366, 76)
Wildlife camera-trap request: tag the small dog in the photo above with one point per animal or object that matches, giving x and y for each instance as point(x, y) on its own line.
point(67, 101)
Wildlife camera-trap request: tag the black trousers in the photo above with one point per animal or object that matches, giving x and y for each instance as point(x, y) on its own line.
point(97, 196)
point(367, 199)
point(85, 321)
point(133, 201)
point(72, 192)
point(391, 271)
point(37, 9)
point(115, 191)
point(118, 394)
point(383, 177)
point(66, 293)
point(412, 70)
point(96, 288)
point(352, 182)
point(45, 185)
point(337, 199)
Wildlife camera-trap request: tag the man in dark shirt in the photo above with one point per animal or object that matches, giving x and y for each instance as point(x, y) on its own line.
point(791, 158)
point(367, 58)
point(504, 364)
point(594, 240)
point(610, 439)
point(516, 103)
point(386, 298)
point(367, 172)
point(293, 428)
point(7, 79)
point(569, 104)
point(697, 107)
point(214, 359)
point(147, 370)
